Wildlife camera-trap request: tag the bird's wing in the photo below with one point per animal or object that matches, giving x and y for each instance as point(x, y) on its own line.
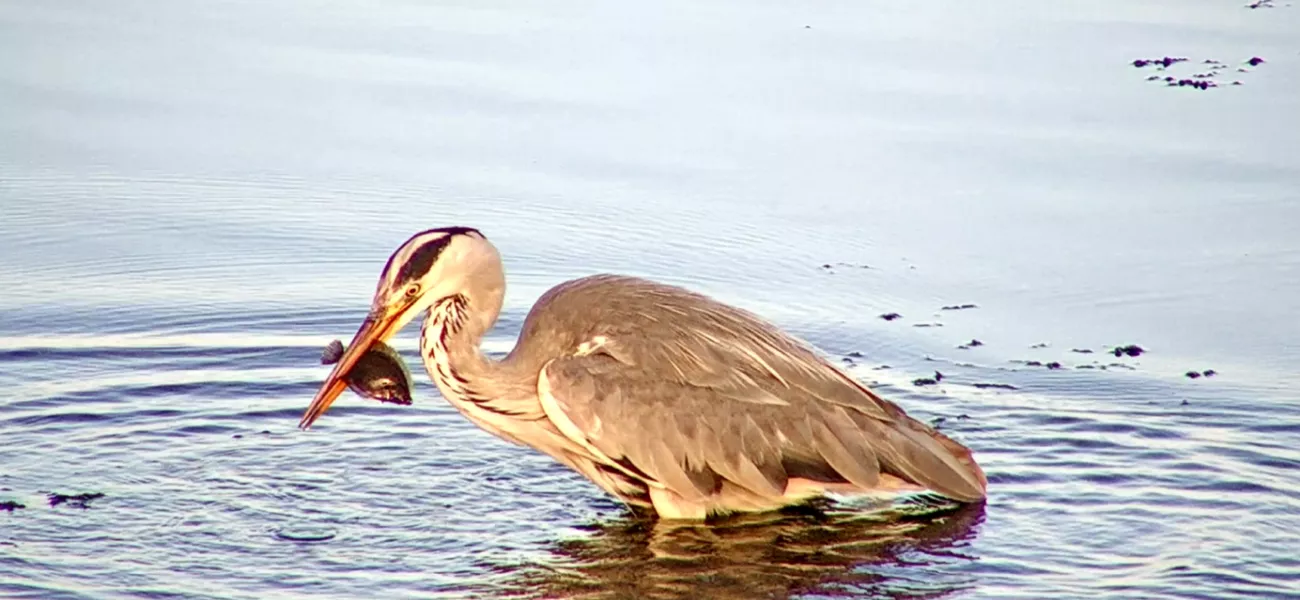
point(752, 423)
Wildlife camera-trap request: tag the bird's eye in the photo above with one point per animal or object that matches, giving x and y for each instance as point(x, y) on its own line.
point(412, 291)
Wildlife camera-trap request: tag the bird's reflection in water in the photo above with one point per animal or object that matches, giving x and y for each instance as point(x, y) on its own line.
point(909, 550)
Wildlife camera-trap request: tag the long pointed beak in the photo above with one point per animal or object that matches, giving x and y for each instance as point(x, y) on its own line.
point(373, 329)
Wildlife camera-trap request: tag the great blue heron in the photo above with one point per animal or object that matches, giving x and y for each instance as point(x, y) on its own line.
point(665, 398)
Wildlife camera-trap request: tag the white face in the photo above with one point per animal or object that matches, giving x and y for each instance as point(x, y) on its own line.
point(429, 267)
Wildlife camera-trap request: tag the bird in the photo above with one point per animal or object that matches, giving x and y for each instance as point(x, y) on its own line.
point(672, 402)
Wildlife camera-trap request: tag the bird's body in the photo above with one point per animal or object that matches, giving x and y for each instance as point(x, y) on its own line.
point(665, 398)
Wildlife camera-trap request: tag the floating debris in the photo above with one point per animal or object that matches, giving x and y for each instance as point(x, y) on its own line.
point(994, 386)
point(1193, 374)
point(380, 374)
point(73, 500)
point(891, 316)
point(1038, 345)
point(1209, 372)
point(1081, 350)
point(855, 354)
point(1200, 85)
point(1260, 4)
point(1037, 363)
point(1165, 62)
point(1202, 80)
point(971, 344)
point(959, 307)
point(10, 506)
point(1129, 350)
point(306, 534)
point(927, 325)
point(922, 381)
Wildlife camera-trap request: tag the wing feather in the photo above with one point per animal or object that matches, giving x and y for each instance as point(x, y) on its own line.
point(691, 392)
point(855, 462)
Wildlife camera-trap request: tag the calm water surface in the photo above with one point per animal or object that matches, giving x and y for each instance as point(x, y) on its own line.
point(197, 197)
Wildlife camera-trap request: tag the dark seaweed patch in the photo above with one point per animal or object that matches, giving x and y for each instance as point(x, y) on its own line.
point(73, 500)
point(1165, 62)
point(829, 268)
point(1129, 350)
point(1202, 80)
point(922, 381)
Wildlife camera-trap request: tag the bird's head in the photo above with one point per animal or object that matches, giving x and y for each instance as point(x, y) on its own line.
point(430, 267)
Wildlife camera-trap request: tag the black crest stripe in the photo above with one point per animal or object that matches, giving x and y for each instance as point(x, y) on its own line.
point(421, 259)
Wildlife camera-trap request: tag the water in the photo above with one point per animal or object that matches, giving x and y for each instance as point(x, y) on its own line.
point(197, 197)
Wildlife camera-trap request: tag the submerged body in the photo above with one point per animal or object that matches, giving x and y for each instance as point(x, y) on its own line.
point(664, 398)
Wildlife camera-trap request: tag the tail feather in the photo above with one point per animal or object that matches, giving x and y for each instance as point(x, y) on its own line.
point(917, 453)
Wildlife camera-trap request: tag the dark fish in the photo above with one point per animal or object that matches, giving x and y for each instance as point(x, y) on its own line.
point(380, 374)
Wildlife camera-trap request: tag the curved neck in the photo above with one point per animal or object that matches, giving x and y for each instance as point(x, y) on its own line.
point(449, 347)
point(489, 392)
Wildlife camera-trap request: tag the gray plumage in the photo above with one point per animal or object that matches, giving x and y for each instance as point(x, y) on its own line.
point(663, 397)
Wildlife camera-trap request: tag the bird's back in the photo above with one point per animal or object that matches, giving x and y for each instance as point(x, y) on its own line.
point(660, 356)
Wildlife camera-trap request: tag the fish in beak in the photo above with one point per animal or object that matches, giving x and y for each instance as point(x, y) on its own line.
point(379, 375)
point(368, 365)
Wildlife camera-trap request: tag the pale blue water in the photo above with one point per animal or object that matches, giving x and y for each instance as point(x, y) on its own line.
point(196, 197)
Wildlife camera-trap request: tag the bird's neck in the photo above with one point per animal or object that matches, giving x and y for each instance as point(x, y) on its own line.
point(450, 350)
point(480, 387)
